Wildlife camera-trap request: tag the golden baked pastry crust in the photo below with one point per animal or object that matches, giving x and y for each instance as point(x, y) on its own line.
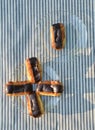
point(29, 69)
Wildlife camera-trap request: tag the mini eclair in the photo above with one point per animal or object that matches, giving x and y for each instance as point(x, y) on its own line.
point(33, 68)
point(49, 88)
point(18, 88)
point(34, 105)
point(58, 36)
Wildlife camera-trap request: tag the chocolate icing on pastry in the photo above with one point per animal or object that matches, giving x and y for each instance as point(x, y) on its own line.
point(49, 88)
point(52, 88)
point(21, 88)
point(44, 88)
point(34, 105)
point(58, 39)
point(57, 88)
point(33, 61)
point(33, 70)
point(57, 35)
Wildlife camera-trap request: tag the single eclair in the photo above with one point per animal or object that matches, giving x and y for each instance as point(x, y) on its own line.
point(34, 105)
point(58, 36)
point(49, 88)
point(18, 88)
point(33, 68)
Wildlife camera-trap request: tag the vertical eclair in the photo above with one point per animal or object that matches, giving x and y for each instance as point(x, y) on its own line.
point(33, 69)
point(34, 105)
point(58, 36)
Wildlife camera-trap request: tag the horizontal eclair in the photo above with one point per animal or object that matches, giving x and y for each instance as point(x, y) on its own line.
point(34, 105)
point(58, 36)
point(49, 88)
point(18, 88)
point(33, 68)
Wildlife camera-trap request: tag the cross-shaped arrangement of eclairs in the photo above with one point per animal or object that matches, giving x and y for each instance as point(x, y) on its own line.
point(34, 75)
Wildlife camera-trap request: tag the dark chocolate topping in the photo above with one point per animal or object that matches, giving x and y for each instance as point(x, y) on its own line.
point(33, 61)
point(49, 88)
point(39, 87)
point(57, 88)
point(36, 73)
point(38, 77)
point(35, 106)
point(57, 35)
point(34, 64)
point(19, 88)
point(56, 26)
point(9, 89)
point(35, 68)
point(36, 113)
point(28, 88)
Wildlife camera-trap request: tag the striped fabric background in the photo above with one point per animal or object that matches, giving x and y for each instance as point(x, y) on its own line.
point(25, 32)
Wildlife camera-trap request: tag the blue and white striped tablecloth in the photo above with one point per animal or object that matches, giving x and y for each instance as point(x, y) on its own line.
point(25, 32)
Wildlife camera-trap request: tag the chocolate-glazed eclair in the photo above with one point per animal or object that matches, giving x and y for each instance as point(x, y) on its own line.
point(18, 88)
point(33, 68)
point(34, 105)
point(58, 38)
point(49, 88)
